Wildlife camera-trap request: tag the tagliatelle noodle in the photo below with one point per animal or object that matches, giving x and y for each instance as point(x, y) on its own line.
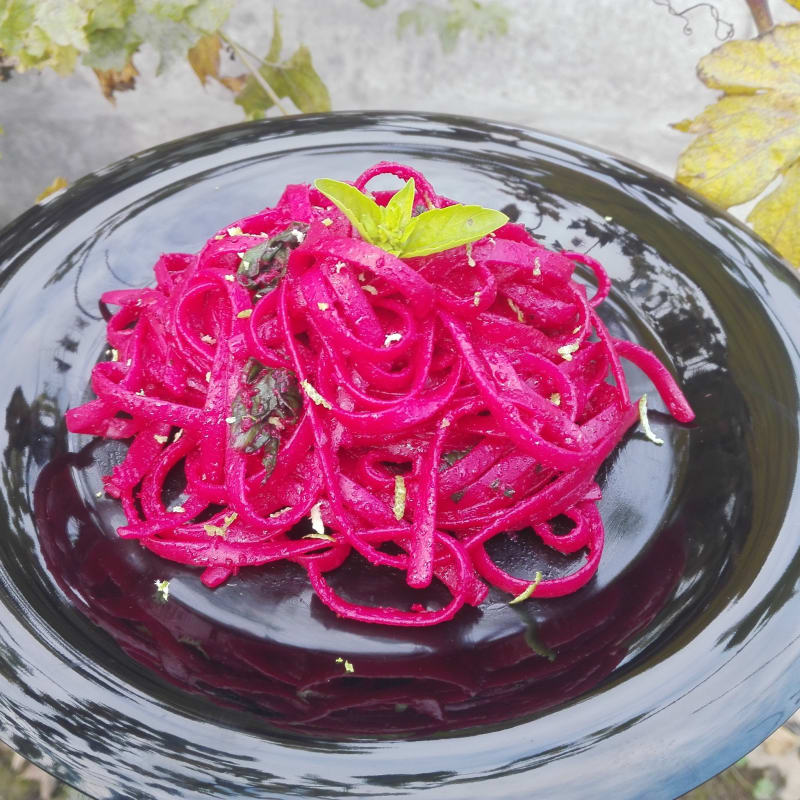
point(291, 369)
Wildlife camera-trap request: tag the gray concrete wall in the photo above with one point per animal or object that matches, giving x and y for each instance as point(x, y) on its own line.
point(613, 73)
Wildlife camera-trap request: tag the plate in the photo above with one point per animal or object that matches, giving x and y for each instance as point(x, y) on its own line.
point(679, 657)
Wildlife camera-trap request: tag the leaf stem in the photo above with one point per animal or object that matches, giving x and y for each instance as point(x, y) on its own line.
point(761, 14)
point(255, 73)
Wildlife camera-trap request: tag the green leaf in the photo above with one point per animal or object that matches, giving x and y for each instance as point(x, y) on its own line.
point(111, 48)
point(775, 216)
point(276, 45)
point(208, 16)
point(167, 9)
point(169, 38)
point(16, 19)
point(110, 14)
point(399, 209)
point(764, 789)
point(444, 228)
point(295, 78)
point(304, 86)
point(480, 18)
point(362, 211)
point(374, 3)
point(62, 21)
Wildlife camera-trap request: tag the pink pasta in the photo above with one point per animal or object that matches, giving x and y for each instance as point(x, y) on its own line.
point(293, 371)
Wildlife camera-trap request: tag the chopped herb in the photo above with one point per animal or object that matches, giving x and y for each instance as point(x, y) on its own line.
point(537, 267)
point(508, 491)
point(567, 350)
point(162, 589)
point(648, 431)
point(324, 536)
point(264, 265)
point(516, 309)
point(230, 277)
point(323, 306)
point(316, 518)
point(178, 510)
point(114, 354)
point(230, 420)
point(235, 231)
point(452, 456)
point(221, 530)
point(99, 494)
point(208, 339)
point(399, 507)
point(555, 399)
point(160, 439)
point(476, 299)
point(327, 222)
point(470, 259)
point(495, 484)
point(178, 435)
point(456, 497)
point(280, 511)
point(315, 396)
point(531, 588)
point(270, 397)
point(445, 422)
point(348, 667)
point(340, 265)
point(391, 338)
point(247, 312)
point(370, 289)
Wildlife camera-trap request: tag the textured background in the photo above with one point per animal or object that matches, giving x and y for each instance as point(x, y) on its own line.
point(613, 73)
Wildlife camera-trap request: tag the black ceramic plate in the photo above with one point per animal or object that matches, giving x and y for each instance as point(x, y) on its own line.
point(679, 657)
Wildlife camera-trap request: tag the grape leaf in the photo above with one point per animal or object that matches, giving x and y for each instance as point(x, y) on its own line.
point(57, 184)
point(204, 57)
point(294, 78)
point(208, 16)
point(116, 80)
point(111, 48)
point(480, 18)
point(752, 134)
point(775, 216)
point(62, 21)
point(110, 14)
point(746, 138)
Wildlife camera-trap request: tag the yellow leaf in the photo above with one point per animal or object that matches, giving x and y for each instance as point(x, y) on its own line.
point(776, 217)
point(116, 80)
point(233, 82)
point(57, 184)
point(744, 142)
point(769, 62)
point(204, 57)
point(794, 4)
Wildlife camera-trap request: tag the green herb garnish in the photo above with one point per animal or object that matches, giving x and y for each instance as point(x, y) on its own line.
point(648, 431)
point(263, 266)
point(528, 591)
point(269, 397)
point(395, 229)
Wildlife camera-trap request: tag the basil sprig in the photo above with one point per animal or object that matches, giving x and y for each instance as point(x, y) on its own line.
point(394, 228)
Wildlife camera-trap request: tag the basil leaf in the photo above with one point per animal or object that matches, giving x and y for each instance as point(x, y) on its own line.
point(444, 228)
point(398, 210)
point(362, 211)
